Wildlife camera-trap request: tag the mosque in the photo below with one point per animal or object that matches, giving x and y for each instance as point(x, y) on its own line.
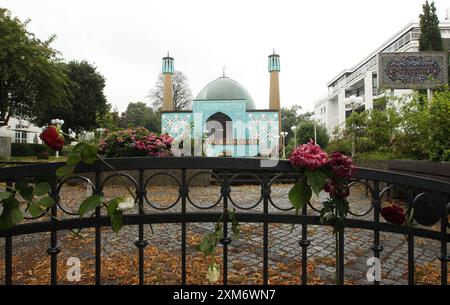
point(224, 117)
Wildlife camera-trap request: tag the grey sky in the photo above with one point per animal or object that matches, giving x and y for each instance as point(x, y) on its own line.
point(127, 39)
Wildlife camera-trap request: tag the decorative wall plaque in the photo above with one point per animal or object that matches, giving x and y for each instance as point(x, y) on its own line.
point(413, 70)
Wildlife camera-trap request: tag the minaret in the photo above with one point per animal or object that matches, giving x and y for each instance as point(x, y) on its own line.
point(274, 95)
point(167, 70)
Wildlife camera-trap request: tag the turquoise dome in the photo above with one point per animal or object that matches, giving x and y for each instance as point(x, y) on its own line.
point(225, 88)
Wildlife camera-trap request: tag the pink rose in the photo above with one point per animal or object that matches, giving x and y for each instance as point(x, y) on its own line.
point(309, 156)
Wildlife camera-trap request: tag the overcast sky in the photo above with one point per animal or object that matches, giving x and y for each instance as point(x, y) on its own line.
point(127, 39)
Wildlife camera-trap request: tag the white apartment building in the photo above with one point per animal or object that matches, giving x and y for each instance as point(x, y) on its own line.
point(362, 79)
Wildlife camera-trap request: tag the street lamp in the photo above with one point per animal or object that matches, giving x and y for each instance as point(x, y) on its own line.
point(315, 118)
point(283, 142)
point(294, 129)
point(352, 103)
point(57, 123)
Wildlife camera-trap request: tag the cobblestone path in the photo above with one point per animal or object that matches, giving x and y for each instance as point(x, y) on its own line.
point(245, 254)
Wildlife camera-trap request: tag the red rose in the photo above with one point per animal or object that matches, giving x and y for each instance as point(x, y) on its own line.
point(342, 166)
point(52, 138)
point(336, 189)
point(394, 214)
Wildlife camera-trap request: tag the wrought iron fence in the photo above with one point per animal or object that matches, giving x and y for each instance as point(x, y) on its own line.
point(429, 198)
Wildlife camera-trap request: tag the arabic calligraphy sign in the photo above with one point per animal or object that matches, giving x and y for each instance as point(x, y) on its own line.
point(413, 70)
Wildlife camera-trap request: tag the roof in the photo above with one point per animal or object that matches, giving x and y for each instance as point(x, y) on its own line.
point(404, 30)
point(225, 88)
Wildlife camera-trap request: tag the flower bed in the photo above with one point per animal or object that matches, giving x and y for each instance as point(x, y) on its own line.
point(135, 142)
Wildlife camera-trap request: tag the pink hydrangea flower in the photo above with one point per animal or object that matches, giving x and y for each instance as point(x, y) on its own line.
point(135, 142)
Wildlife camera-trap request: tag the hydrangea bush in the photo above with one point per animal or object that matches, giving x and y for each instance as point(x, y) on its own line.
point(134, 142)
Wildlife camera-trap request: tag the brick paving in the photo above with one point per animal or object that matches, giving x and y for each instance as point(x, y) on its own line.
point(245, 253)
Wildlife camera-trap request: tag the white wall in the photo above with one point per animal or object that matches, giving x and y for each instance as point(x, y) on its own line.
point(32, 131)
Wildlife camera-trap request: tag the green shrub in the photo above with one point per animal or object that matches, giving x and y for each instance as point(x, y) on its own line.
point(364, 144)
point(21, 150)
point(377, 155)
point(407, 127)
point(29, 150)
point(342, 145)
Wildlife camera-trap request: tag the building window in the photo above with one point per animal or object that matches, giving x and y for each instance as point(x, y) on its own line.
point(374, 84)
point(21, 137)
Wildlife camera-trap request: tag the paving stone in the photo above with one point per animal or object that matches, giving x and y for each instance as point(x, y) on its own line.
point(283, 245)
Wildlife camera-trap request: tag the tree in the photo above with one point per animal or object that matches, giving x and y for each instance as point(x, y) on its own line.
point(31, 74)
point(182, 95)
point(305, 132)
point(85, 103)
point(411, 127)
point(430, 35)
point(292, 117)
point(110, 120)
point(439, 125)
point(138, 114)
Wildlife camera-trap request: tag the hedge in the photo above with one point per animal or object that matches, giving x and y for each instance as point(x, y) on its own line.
point(29, 150)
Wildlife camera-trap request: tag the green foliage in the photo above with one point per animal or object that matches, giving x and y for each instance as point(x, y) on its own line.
point(305, 132)
point(89, 204)
point(115, 215)
point(140, 115)
point(5, 195)
point(305, 128)
point(378, 155)
point(300, 194)
point(41, 188)
point(38, 201)
point(30, 150)
point(430, 35)
point(210, 241)
point(316, 179)
point(292, 117)
point(84, 104)
point(12, 214)
point(334, 213)
point(439, 125)
point(340, 142)
point(64, 171)
point(31, 74)
point(410, 127)
point(88, 153)
point(110, 121)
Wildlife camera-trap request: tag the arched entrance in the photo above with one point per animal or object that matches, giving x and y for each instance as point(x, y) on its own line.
point(220, 130)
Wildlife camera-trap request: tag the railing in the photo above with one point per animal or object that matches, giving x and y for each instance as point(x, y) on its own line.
point(415, 191)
